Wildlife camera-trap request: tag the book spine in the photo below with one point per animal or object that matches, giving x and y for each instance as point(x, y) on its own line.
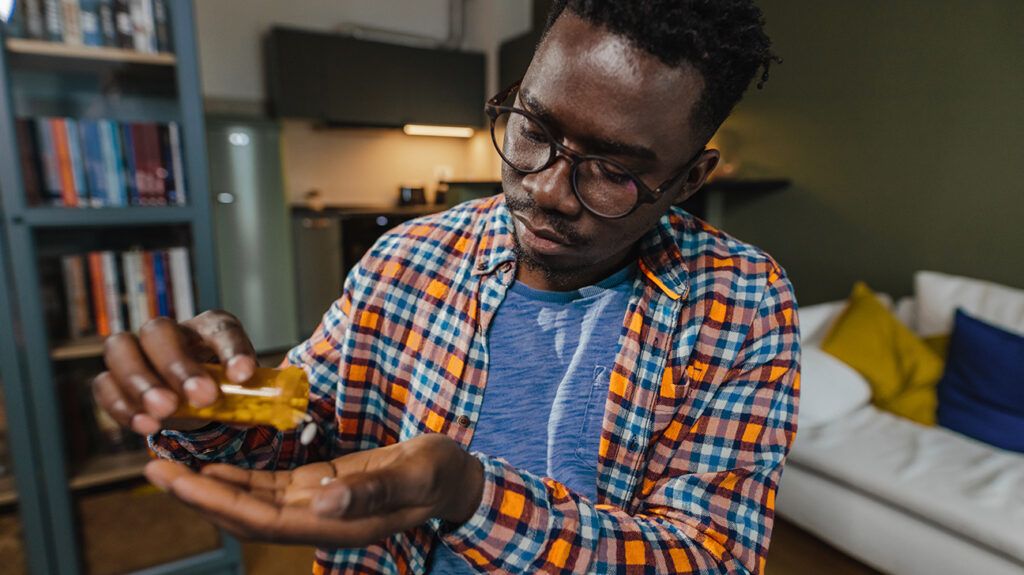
point(135, 289)
point(160, 277)
point(77, 160)
point(128, 153)
point(67, 177)
point(28, 150)
point(181, 283)
point(108, 24)
point(167, 164)
point(95, 166)
point(113, 156)
point(161, 19)
point(99, 294)
point(108, 162)
point(77, 296)
point(177, 165)
point(112, 292)
point(15, 29)
point(165, 255)
point(72, 22)
point(53, 20)
point(123, 23)
point(153, 309)
point(35, 23)
point(142, 25)
point(157, 175)
point(50, 162)
point(89, 14)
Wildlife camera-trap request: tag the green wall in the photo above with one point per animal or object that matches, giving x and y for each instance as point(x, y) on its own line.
point(902, 127)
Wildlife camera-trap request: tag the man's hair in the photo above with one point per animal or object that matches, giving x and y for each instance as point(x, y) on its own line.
point(723, 39)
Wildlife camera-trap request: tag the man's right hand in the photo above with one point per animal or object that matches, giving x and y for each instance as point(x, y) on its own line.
point(149, 375)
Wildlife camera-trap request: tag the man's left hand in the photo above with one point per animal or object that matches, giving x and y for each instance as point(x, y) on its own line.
point(370, 494)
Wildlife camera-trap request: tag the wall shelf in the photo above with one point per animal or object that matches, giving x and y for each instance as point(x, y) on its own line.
point(79, 349)
point(93, 217)
point(106, 469)
point(61, 50)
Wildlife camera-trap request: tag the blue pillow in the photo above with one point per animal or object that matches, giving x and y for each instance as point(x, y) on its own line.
point(981, 393)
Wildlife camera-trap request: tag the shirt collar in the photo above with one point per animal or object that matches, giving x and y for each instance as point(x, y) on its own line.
point(661, 259)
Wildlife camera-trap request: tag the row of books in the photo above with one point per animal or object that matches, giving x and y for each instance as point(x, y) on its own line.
point(141, 25)
point(99, 163)
point(107, 292)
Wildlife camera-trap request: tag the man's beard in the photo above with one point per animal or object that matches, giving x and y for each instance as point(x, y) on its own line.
point(555, 275)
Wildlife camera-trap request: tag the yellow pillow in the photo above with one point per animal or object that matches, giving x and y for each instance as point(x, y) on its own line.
point(901, 369)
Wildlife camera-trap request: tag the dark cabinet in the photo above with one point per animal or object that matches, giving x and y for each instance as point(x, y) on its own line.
point(350, 82)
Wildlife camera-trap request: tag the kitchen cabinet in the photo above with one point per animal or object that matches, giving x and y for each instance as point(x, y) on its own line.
point(343, 81)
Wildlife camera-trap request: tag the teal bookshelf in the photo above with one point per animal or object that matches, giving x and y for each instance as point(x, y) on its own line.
point(77, 515)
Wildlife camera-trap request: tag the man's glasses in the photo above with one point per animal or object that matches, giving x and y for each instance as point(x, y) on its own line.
point(602, 185)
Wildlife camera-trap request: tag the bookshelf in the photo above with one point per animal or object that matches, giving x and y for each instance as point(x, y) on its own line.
point(61, 453)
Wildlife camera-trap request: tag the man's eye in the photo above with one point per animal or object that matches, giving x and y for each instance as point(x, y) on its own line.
point(614, 174)
point(533, 134)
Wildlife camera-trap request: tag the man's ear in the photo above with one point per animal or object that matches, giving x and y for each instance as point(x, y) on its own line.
point(699, 173)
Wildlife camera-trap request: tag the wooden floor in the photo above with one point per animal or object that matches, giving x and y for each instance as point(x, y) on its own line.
point(793, 552)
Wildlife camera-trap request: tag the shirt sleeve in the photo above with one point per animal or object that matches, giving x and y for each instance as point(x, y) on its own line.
point(264, 447)
point(711, 516)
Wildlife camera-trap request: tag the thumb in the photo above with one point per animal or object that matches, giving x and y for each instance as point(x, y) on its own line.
point(367, 494)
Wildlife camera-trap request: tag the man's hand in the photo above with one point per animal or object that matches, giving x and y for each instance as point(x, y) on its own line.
point(150, 374)
point(352, 501)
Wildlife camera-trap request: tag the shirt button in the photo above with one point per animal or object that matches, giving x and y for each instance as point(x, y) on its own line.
point(481, 266)
point(463, 421)
point(634, 444)
point(506, 267)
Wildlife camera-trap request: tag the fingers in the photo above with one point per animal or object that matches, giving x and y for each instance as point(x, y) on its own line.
point(223, 333)
point(135, 376)
point(166, 348)
point(372, 493)
point(124, 410)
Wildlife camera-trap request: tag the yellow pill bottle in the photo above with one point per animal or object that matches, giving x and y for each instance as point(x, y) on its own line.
point(275, 397)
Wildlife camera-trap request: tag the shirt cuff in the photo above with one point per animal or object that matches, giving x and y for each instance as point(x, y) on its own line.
point(214, 442)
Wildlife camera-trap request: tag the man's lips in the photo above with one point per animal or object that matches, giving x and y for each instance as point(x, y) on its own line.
point(543, 232)
point(542, 239)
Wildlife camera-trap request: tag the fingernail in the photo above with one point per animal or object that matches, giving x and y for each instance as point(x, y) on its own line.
point(144, 424)
point(201, 391)
point(333, 503)
point(241, 368)
point(159, 402)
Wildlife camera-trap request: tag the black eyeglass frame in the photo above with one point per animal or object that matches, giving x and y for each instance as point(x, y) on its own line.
point(645, 195)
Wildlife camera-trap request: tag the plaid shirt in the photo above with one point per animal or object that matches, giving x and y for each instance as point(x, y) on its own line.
point(700, 414)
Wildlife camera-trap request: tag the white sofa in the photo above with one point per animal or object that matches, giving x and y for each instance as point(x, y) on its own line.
point(899, 496)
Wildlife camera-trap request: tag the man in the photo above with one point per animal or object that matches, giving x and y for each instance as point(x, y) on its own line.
point(573, 377)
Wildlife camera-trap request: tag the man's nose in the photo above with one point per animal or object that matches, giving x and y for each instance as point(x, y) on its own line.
point(552, 188)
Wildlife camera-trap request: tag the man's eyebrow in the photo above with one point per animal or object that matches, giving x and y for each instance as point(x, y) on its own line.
point(593, 145)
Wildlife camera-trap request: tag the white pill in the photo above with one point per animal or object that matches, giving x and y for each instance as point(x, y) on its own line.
point(308, 433)
point(307, 418)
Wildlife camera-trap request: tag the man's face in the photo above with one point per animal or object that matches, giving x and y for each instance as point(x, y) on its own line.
point(599, 95)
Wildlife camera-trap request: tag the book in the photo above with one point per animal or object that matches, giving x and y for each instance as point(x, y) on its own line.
point(152, 309)
point(50, 163)
point(148, 164)
point(162, 25)
point(177, 165)
point(135, 289)
point(35, 24)
point(110, 149)
point(112, 292)
point(95, 166)
point(31, 170)
point(76, 295)
point(89, 18)
point(108, 24)
point(160, 282)
point(53, 20)
point(167, 164)
point(72, 22)
point(16, 29)
point(68, 193)
point(123, 25)
point(77, 162)
point(168, 283)
point(143, 34)
point(181, 283)
point(99, 295)
point(128, 164)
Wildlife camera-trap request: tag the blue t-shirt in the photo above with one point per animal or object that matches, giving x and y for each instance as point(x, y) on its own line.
point(551, 356)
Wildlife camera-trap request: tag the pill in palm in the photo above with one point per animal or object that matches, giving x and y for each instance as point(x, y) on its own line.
point(308, 433)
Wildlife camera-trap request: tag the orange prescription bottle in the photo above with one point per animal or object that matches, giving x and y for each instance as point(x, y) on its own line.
point(275, 397)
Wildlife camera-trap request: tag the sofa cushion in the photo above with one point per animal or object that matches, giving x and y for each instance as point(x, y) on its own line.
point(829, 389)
point(939, 295)
point(981, 393)
point(960, 484)
point(901, 369)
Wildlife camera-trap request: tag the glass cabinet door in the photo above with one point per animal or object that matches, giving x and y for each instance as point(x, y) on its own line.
point(12, 544)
